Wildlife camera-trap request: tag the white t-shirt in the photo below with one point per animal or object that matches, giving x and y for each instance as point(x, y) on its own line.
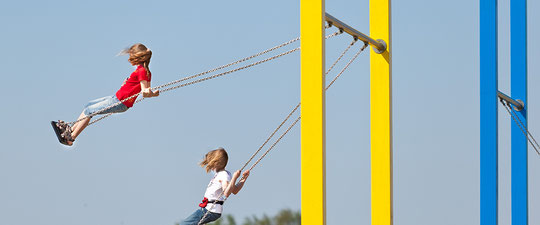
point(215, 188)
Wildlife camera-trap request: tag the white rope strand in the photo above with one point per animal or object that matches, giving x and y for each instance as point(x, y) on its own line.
point(296, 107)
point(294, 123)
point(270, 137)
point(230, 64)
point(275, 143)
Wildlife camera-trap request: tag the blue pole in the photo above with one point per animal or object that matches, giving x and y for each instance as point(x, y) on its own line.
point(518, 37)
point(488, 112)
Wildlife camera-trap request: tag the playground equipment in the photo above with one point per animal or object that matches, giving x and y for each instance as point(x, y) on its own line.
point(295, 109)
point(488, 112)
point(313, 87)
point(313, 90)
point(312, 19)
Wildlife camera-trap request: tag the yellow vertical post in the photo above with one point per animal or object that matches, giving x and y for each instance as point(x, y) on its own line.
point(381, 115)
point(312, 112)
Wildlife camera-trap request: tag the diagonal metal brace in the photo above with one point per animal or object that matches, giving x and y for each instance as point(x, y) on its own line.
point(379, 46)
point(517, 104)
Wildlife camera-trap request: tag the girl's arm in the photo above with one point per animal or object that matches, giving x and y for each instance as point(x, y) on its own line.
point(233, 187)
point(240, 184)
point(146, 91)
point(229, 186)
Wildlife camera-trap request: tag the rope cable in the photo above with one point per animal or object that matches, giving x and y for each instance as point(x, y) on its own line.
point(240, 68)
point(238, 61)
point(526, 129)
point(230, 64)
point(520, 124)
point(327, 87)
point(270, 137)
point(296, 107)
point(275, 143)
point(523, 125)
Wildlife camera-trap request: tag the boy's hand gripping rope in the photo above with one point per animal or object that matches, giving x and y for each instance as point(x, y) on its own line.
point(289, 115)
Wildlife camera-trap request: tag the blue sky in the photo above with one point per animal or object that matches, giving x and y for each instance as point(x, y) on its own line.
point(140, 167)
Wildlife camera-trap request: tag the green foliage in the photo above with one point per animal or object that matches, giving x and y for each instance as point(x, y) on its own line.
point(228, 220)
point(265, 220)
point(287, 217)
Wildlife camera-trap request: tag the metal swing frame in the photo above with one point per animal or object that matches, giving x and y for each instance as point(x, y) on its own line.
point(312, 23)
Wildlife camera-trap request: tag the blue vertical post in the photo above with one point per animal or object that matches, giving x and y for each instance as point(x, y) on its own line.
point(488, 112)
point(518, 51)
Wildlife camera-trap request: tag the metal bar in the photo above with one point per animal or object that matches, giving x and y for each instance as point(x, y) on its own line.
point(518, 104)
point(518, 64)
point(488, 113)
point(381, 116)
point(312, 96)
point(379, 45)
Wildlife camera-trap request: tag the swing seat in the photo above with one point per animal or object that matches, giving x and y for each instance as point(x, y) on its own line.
point(60, 131)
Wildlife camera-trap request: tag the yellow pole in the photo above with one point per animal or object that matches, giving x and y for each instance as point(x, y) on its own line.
point(312, 112)
point(381, 115)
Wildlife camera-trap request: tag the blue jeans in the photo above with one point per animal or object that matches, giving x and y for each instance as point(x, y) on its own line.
point(102, 103)
point(198, 215)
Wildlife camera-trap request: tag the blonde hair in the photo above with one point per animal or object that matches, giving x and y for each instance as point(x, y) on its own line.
point(215, 160)
point(140, 55)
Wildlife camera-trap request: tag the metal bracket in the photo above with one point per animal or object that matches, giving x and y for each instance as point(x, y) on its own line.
point(517, 104)
point(518, 108)
point(380, 51)
point(379, 46)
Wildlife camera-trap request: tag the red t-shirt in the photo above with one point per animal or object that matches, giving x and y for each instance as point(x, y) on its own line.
point(132, 86)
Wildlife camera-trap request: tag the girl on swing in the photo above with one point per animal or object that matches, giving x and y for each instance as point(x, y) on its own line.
point(139, 55)
point(219, 188)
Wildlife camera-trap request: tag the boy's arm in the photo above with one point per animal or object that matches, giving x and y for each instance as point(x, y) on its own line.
point(146, 91)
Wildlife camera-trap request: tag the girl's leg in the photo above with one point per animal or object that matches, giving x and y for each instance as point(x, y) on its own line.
point(210, 217)
point(194, 218)
point(79, 126)
point(100, 106)
point(105, 105)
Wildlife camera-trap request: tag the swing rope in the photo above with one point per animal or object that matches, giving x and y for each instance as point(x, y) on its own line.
point(296, 108)
point(298, 118)
point(206, 78)
point(288, 117)
point(520, 124)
